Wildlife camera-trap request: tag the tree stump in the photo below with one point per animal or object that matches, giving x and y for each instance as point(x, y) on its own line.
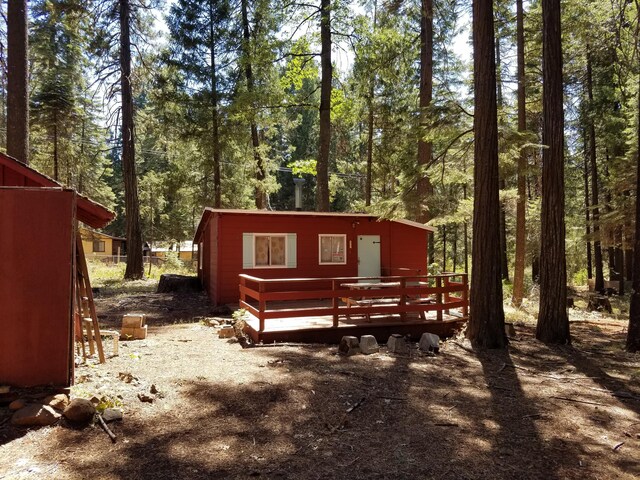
point(599, 303)
point(178, 283)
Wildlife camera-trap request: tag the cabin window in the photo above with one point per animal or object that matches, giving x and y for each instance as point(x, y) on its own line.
point(98, 246)
point(332, 249)
point(270, 250)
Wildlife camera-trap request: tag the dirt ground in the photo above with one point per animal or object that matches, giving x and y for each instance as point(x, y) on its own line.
point(304, 412)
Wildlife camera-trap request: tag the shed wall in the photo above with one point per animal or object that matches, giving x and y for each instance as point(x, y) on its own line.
point(37, 244)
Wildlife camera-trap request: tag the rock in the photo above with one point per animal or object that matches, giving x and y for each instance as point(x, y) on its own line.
point(59, 401)
point(80, 410)
point(430, 342)
point(510, 330)
point(349, 346)
point(226, 331)
point(17, 404)
point(143, 397)
point(397, 344)
point(35, 416)
point(153, 389)
point(213, 322)
point(7, 397)
point(112, 414)
point(369, 344)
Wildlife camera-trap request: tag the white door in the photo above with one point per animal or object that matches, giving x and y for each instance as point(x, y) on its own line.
point(369, 255)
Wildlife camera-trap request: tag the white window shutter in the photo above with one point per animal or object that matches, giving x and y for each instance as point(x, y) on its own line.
point(292, 254)
point(247, 250)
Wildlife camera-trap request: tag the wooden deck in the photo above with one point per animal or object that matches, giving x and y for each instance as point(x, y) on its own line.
point(324, 310)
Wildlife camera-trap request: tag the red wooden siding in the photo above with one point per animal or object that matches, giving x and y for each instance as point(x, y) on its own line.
point(37, 240)
point(402, 246)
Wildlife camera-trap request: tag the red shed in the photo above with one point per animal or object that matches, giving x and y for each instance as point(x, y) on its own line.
point(38, 232)
point(296, 244)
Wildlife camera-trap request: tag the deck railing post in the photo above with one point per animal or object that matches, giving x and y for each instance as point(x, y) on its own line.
point(439, 298)
point(334, 302)
point(243, 283)
point(447, 297)
point(403, 299)
point(262, 305)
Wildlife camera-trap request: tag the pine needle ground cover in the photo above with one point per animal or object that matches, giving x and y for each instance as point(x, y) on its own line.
point(302, 411)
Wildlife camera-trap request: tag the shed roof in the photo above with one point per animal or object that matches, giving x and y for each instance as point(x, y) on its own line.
point(16, 174)
point(208, 212)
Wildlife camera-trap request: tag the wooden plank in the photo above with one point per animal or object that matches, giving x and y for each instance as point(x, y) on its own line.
point(85, 284)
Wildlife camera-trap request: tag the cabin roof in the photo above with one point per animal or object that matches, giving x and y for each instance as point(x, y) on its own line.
point(88, 232)
point(208, 212)
point(89, 212)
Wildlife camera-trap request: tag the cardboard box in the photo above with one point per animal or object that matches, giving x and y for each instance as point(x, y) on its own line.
point(140, 333)
point(133, 320)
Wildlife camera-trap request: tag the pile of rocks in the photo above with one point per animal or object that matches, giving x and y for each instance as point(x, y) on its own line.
point(396, 343)
point(37, 410)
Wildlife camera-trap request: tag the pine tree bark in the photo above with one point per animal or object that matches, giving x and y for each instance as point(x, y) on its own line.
point(587, 207)
point(504, 260)
point(322, 167)
point(425, 149)
point(135, 268)
point(17, 81)
point(486, 323)
point(521, 203)
point(260, 193)
point(633, 331)
point(215, 115)
point(595, 212)
point(553, 322)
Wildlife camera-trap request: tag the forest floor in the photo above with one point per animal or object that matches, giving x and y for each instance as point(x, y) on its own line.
point(303, 412)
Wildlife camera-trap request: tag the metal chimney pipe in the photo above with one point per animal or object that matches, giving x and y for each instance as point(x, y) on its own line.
point(298, 182)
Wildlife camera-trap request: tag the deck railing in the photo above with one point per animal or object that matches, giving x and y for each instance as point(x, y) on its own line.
point(445, 293)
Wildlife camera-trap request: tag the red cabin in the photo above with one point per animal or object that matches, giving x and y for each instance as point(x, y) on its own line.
point(296, 244)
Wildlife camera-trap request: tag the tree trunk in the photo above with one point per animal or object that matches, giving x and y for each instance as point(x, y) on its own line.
point(370, 122)
point(322, 187)
point(619, 259)
point(17, 81)
point(633, 332)
point(553, 322)
point(444, 248)
point(367, 193)
point(486, 323)
point(215, 115)
point(504, 260)
point(135, 267)
point(454, 248)
point(260, 193)
point(587, 206)
point(521, 203)
point(425, 149)
point(597, 249)
point(55, 148)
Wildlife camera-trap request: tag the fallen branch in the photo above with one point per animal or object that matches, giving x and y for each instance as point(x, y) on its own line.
point(578, 401)
point(617, 447)
point(106, 429)
point(356, 405)
point(446, 424)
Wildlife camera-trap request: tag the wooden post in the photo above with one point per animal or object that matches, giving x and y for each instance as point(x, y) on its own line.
point(262, 305)
point(447, 297)
point(403, 299)
point(243, 283)
point(334, 303)
point(439, 298)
